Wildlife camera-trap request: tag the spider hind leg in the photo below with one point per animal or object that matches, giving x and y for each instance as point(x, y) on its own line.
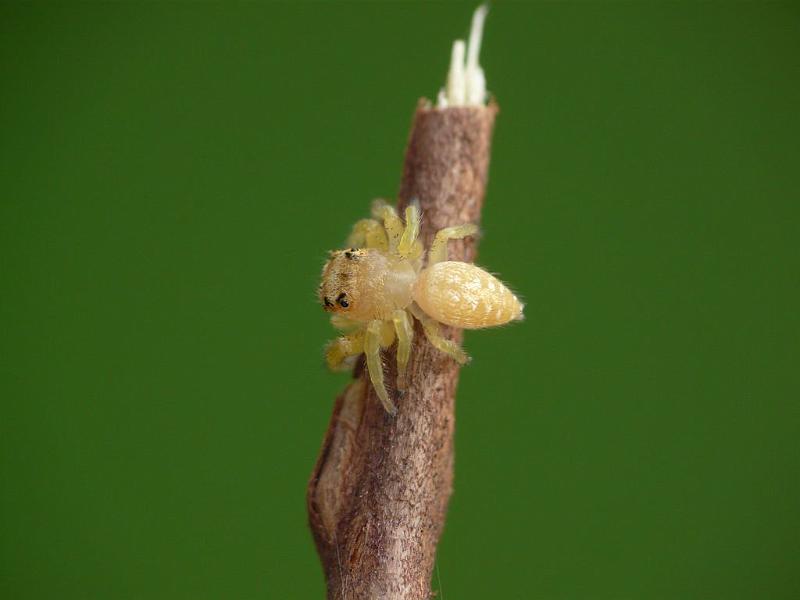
point(437, 340)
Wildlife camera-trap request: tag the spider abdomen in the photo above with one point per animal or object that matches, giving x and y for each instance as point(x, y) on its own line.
point(463, 295)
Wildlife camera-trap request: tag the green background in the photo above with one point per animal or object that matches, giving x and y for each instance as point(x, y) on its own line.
point(171, 177)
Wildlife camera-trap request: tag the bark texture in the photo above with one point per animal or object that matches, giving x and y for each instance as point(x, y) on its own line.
point(378, 495)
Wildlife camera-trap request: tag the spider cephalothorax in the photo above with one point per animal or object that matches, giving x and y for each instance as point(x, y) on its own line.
point(365, 284)
point(375, 287)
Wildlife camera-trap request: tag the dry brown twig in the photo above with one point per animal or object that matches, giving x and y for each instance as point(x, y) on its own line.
point(378, 494)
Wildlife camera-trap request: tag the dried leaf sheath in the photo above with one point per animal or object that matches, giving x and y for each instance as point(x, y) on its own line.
point(378, 494)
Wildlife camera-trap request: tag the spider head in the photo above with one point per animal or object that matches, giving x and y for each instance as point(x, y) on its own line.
point(343, 278)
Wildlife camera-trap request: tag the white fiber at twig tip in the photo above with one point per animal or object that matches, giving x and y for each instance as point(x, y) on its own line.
point(466, 83)
point(456, 77)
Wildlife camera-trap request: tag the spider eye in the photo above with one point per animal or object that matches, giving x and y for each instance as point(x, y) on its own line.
point(342, 300)
point(327, 302)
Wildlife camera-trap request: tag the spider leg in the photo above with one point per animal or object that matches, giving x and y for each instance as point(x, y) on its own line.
point(340, 349)
point(438, 251)
point(391, 222)
point(405, 334)
point(368, 233)
point(435, 337)
point(407, 243)
point(372, 350)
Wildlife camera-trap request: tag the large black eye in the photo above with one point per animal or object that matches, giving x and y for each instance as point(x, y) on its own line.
point(342, 300)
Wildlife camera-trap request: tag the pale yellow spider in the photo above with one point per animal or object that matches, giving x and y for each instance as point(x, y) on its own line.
point(374, 288)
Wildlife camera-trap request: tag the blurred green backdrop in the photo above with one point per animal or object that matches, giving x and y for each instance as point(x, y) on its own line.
point(172, 176)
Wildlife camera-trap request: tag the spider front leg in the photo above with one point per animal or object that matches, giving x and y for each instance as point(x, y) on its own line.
point(376, 337)
point(368, 233)
point(409, 246)
point(438, 251)
point(402, 239)
point(432, 332)
point(405, 335)
point(391, 222)
point(340, 349)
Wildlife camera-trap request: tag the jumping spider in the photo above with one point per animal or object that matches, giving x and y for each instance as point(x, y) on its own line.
point(374, 287)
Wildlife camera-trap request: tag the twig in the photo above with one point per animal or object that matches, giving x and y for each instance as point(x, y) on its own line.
point(378, 495)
